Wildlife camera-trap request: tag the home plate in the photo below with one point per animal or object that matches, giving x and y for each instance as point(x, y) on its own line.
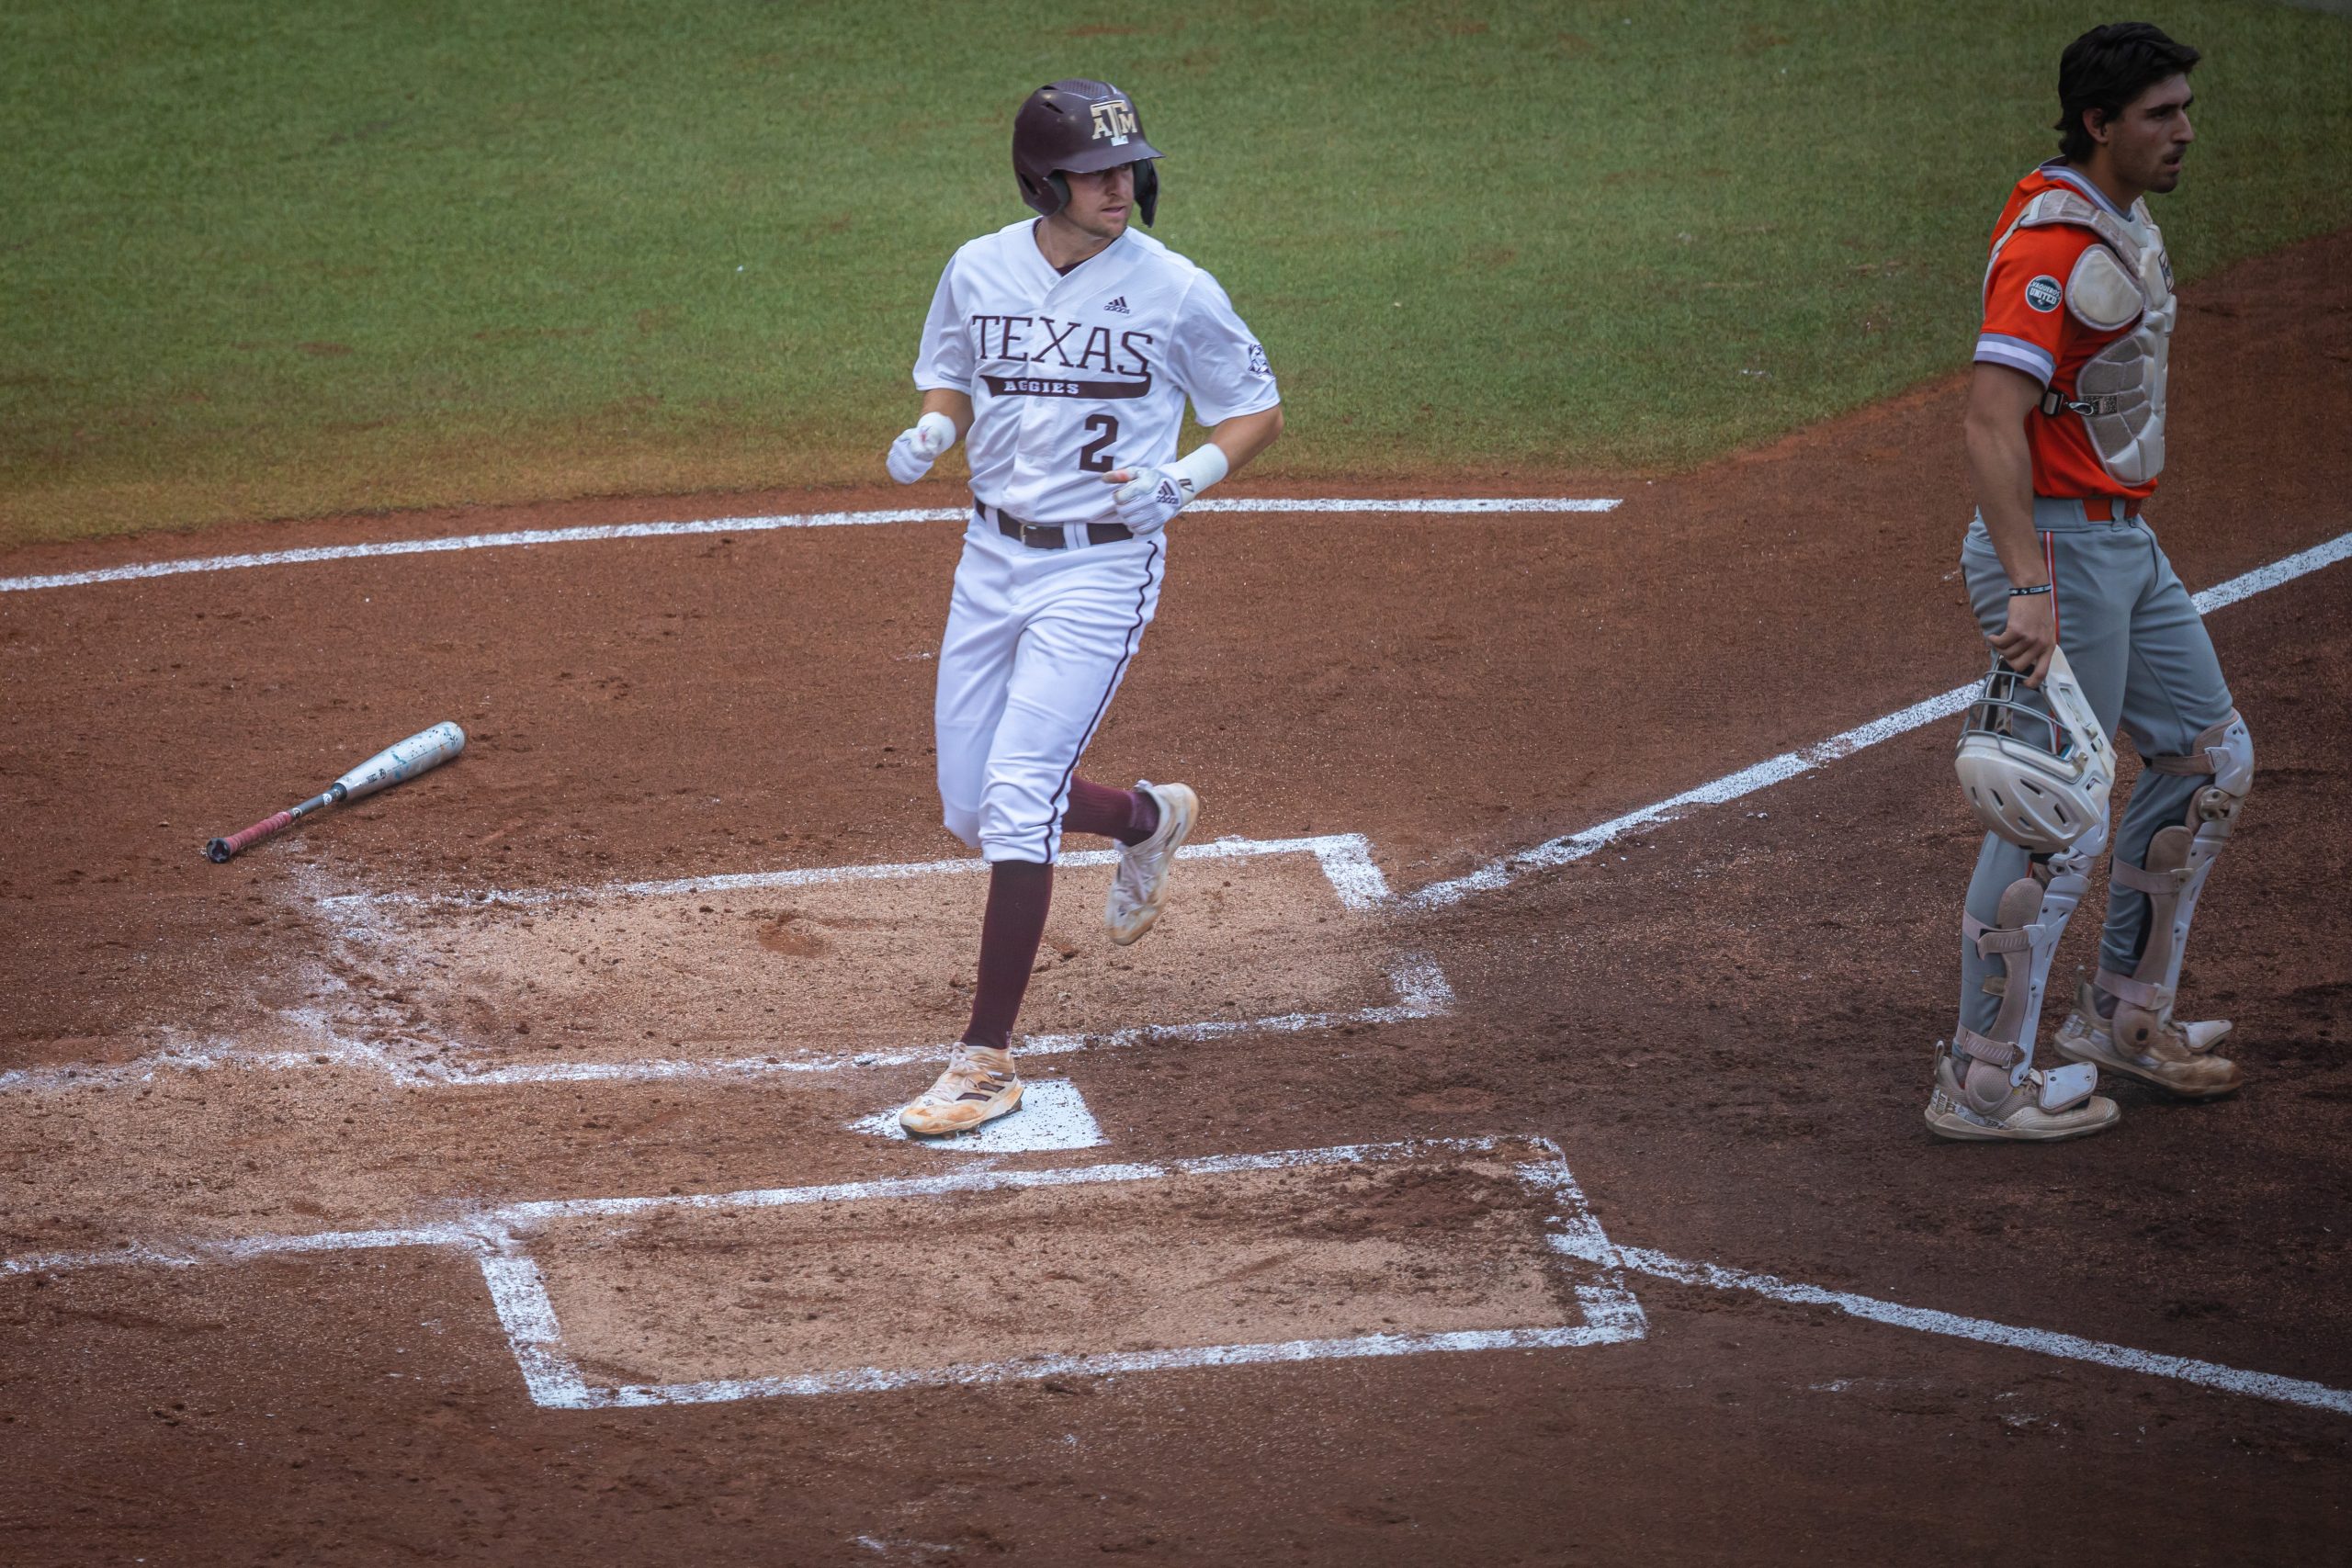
point(1052, 1115)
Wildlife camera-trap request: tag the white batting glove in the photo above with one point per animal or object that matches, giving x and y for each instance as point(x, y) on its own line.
point(912, 454)
point(1147, 497)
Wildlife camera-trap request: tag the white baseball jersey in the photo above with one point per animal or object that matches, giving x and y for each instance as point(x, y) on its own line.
point(1072, 376)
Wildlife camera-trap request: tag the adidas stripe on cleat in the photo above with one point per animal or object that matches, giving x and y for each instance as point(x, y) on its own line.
point(979, 1086)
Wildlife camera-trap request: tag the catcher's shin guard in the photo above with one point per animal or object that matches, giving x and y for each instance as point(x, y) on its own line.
point(1988, 1088)
point(2179, 859)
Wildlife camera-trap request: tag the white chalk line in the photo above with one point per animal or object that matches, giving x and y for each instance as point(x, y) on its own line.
point(1421, 988)
point(521, 1216)
point(2264, 578)
point(1417, 983)
point(557, 1386)
point(1925, 1320)
point(526, 1314)
point(499, 1224)
point(190, 1254)
point(1345, 860)
point(514, 538)
point(1555, 853)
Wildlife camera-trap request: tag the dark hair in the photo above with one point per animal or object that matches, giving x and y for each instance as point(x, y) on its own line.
point(2106, 69)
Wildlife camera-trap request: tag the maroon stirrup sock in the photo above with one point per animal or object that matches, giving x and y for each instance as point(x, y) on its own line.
point(1127, 815)
point(1019, 894)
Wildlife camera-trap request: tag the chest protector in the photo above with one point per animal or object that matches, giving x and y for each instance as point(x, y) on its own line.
point(2119, 394)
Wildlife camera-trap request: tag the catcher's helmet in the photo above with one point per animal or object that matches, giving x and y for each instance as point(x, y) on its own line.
point(2037, 767)
point(1083, 126)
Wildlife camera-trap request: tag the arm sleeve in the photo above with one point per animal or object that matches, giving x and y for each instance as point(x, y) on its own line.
point(1217, 361)
point(944, 361)
point(2025, 320)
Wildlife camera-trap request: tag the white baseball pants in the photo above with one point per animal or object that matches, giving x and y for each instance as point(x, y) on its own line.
point(1037, 642)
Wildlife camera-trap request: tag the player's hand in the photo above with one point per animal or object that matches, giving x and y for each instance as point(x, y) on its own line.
point(1147, 498)
point(912, 454)
point(2025, 642)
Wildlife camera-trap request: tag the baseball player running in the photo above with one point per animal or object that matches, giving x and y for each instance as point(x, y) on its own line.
point(2090, 628)
point(1062, 349)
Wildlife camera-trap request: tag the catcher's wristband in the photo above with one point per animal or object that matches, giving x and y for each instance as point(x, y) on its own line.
point(2029, 592)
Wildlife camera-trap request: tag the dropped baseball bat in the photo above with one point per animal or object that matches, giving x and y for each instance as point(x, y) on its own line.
point(426, 748)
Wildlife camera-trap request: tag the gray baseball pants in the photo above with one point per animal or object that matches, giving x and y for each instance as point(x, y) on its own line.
point(2139, 648)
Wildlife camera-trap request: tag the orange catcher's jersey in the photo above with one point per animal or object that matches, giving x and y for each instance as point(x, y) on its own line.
point(2029, 327)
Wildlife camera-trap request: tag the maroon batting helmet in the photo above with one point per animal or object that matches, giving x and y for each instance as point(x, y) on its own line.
point(1081, 127)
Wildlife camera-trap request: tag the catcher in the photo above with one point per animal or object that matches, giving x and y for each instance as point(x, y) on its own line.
point(2090, 627)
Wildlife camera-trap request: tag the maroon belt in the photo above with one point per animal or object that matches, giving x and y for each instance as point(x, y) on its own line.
point(1051, 535)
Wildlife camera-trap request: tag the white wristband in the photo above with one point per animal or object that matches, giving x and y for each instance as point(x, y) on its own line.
point(938, 433)
point(1204, 465)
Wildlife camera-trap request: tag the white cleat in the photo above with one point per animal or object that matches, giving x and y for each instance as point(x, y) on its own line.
point(1140, 885)
point(979, 1086)
point(2047, 1106)
point(2176, 1057)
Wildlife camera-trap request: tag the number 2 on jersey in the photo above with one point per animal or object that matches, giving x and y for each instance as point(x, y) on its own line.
point(1096, 456)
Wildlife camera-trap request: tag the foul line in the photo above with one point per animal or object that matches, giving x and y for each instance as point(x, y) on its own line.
point(1510, 868)
point(512, 538)
point(1925, 1320)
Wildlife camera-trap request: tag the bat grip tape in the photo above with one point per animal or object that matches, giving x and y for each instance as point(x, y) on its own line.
point(221, 850)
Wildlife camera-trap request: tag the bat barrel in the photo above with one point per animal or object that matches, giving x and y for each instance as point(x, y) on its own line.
point(425, 749)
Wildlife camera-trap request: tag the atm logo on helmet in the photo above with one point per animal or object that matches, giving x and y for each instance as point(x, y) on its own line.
point(1113, 118)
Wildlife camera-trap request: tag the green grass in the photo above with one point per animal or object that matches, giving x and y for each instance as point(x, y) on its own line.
point(265, 260)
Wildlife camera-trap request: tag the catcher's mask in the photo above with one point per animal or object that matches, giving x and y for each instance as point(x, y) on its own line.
point(1084, 128)
point(2036, 766)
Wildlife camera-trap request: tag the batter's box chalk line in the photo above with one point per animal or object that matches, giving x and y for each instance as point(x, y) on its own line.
point(1606, 1311)
point(526, 1311)
point(1418, 988)
point(1345, 858)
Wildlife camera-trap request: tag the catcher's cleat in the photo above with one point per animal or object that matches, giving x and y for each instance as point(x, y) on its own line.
point(1975, 1102)
point(979, 1086)
point(1140, 885)
point(2176, 1057)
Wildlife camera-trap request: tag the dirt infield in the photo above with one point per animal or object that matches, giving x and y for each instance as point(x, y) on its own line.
point(327, 1171)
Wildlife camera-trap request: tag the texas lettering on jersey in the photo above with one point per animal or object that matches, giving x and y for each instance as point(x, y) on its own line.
point(1074, 375)
point(1044, 341)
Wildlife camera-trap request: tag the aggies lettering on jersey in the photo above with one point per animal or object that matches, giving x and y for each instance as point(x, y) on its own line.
point(1045, 343)
point(1074, 375)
